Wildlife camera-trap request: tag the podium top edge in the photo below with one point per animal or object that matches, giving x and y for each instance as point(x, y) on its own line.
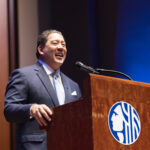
point(91, 75)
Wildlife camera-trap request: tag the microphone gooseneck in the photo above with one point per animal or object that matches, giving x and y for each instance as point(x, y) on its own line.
point(113, 71)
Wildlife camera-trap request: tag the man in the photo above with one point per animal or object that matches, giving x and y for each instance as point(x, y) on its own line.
point(33, 90)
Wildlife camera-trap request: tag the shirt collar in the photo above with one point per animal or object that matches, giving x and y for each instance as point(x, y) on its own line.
point(47, 68)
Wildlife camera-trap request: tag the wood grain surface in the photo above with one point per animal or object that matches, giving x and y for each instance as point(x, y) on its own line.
point(83, 124)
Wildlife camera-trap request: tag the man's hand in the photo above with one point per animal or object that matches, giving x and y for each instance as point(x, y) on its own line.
point(41, 113)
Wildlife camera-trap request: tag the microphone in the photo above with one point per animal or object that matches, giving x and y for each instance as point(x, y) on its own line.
point(88, 69)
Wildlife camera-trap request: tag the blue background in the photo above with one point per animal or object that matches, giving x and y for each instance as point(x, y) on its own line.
point(132, 45)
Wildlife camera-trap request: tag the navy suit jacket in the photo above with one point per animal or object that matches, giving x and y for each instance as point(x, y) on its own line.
point(27, 86)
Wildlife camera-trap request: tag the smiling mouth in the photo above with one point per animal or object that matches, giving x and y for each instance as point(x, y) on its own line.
point(60, 55)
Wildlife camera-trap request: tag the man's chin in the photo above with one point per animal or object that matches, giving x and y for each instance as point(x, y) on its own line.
point(59, 61)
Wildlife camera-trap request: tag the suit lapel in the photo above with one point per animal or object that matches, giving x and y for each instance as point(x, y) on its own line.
point(66, 88)
point(46, 83)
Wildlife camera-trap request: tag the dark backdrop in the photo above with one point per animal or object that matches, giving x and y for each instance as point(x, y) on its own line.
point(88, 27)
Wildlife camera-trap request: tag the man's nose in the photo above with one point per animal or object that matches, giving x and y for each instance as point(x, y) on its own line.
point(60, 46)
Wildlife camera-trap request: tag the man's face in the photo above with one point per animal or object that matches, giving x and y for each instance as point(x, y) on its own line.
point(54, 52)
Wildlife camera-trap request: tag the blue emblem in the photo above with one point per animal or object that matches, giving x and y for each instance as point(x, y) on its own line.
point(124, 123)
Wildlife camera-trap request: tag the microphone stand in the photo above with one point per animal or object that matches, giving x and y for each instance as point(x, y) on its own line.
point(113, 71)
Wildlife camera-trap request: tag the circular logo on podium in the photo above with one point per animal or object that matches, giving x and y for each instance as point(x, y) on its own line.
point(124, 123)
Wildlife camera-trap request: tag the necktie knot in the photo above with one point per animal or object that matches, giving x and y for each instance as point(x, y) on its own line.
point(55, 75)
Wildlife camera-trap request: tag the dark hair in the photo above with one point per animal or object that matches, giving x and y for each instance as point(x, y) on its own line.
point(42, 39)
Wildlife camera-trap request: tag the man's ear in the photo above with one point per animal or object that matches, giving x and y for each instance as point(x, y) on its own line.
point(40, 49)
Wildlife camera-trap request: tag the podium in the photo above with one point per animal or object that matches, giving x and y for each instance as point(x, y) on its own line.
point(83, 124)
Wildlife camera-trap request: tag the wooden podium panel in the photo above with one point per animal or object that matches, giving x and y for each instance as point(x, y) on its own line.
point(71, 127)
point(83, 124)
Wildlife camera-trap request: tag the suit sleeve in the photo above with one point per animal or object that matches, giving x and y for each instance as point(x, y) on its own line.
point(17, 107)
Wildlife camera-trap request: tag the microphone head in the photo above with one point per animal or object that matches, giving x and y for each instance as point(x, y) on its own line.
point(83, 67)
point(79, 64)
